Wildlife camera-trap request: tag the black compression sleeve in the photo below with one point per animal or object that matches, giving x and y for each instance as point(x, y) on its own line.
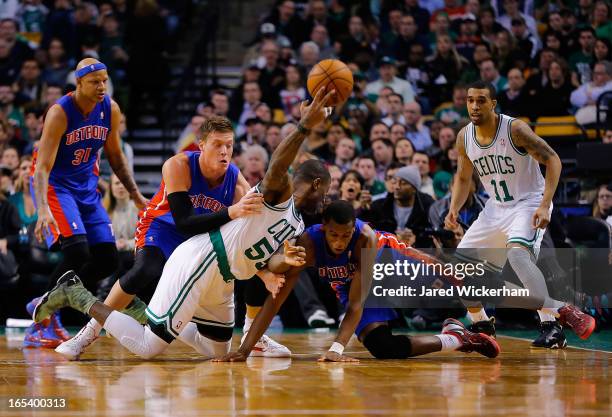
point(189, 223)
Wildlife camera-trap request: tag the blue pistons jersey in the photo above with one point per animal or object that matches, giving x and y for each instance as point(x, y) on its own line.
point(339, 270)
point(74, 200)
point(76, 163)
point(156, 226)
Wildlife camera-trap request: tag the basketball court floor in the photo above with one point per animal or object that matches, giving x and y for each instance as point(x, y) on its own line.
point(110, 381)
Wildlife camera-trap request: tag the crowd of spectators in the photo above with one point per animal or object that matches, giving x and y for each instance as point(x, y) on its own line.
point(411, 62)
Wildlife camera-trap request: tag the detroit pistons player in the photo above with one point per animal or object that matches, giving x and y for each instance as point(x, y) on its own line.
point(65, 178)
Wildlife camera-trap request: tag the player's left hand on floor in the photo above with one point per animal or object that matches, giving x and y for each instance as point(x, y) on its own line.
point(232, 357)
point(330, 356)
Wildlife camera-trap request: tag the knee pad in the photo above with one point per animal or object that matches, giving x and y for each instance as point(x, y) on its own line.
point(382, 344)
point(216, 333)
point(147, 268)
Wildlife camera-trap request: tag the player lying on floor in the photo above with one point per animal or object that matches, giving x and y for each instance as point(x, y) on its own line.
point(335, 248)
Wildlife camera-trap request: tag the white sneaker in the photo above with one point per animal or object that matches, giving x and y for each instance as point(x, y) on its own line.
point(268, 348)
point(320, 319)
point(72, 349)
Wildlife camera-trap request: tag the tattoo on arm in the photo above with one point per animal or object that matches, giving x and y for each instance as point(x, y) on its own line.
point(534, 145)
point(122, 171)
point(276, 179)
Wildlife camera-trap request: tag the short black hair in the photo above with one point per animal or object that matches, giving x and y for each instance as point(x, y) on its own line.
point(587, 29)
point(339, 211)
point(483, 85)
point(311, 170)
point(356, 174)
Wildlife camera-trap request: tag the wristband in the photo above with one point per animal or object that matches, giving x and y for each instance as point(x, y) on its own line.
point(337, 348)
point(303, 130)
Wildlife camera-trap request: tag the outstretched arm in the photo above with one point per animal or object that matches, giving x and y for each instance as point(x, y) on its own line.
point(117, 159)
point(271, 306)
point(538, 149)
point(276, 186)
point(364, 253)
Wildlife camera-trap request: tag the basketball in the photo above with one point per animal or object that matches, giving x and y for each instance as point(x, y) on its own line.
point(332, 74)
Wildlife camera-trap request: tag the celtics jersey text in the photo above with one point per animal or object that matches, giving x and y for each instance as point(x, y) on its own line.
point(507, 172)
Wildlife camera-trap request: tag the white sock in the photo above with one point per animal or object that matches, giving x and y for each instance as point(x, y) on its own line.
point(247, 324)
point(545, 315)
point(97, 328)
point(449, 342)
point(481, 315)
point(133, 336)
point(203, 345)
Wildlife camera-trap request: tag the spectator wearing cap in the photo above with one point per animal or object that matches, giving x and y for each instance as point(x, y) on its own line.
point(585, 97)
point(417, 132)
point(403, 212)
point(356, 46)
point(513, 100)
point(490, 74)
point(267, 32)
point(511, 8)
point(468, 36)
point(320, 36)
point(255, 133)
point(388, 70)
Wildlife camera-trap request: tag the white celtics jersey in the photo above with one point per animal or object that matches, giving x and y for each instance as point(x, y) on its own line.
point(250, 241)
point(507, 173)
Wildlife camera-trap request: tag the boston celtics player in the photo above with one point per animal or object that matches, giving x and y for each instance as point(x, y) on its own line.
point(194, 299)
point(506, 154)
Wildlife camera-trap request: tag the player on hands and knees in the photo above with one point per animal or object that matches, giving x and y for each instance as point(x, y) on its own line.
point(65, 180)
point(197, 284)
point(338, 249)
point(506, 154)
point(200, 191)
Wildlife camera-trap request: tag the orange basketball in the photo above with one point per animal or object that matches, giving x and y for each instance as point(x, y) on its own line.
point(333, 75)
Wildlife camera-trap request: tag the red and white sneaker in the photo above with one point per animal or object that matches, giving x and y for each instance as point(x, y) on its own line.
point(268, 348)
point(471, 342)
point(58, 328)
point(581, 323)
point(41, 335)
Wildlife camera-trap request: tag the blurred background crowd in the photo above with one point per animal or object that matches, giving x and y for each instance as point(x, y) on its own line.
point(550, 61)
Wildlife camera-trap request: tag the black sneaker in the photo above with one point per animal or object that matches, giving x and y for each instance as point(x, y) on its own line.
point(484, 326)
point(551, 336)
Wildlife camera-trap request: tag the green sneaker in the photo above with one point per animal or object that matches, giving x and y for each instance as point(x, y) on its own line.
point(68, 292)
point(136, 310)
